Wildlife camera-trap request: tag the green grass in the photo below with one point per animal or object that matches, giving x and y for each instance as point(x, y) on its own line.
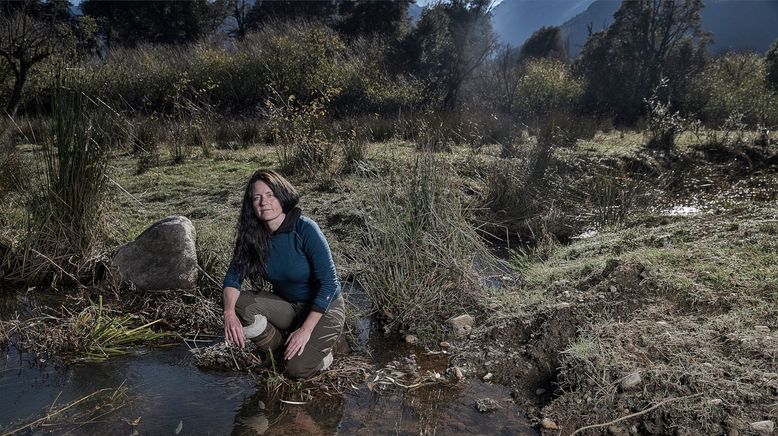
point(689, 324)
point(702, 264)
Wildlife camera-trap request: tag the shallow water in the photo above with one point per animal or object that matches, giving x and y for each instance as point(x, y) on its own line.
point(167, 391)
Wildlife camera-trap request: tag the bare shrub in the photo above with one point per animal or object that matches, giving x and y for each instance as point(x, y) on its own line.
point(663, 124)
point(298, 128)
point(11, 168)
point(354, 150)
point(145, 141)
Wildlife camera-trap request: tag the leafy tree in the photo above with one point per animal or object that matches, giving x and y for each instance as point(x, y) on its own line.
point(546, 42)
point(373, 17)
point(264, 11)
point(624, 62)
point(734, 85)
point(130, 23)
point(449, 43)
point(53, 11)
point(772, 65)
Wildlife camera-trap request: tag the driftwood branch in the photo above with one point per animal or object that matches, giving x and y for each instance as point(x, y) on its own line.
point(642, 412)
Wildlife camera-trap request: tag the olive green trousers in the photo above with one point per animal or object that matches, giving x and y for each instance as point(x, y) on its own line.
point(284, 317)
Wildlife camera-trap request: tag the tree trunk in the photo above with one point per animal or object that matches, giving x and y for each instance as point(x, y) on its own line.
point(16, 95)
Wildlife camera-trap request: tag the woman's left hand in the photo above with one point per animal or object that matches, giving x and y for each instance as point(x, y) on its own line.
point(296, 342)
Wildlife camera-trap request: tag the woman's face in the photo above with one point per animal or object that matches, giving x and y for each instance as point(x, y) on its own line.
point(266, 205)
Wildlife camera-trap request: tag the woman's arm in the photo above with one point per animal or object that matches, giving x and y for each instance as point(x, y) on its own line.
point(317, 250)
point(322, 266)
point(296, 342)
point(233, 329)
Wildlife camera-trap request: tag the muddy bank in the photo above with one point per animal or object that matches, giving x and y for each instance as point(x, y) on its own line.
point(666, 326)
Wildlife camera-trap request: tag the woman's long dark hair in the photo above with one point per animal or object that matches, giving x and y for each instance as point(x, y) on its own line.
point(251, 239)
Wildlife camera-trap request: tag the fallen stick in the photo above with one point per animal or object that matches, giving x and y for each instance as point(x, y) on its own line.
point(642, 412)
point(50, 415)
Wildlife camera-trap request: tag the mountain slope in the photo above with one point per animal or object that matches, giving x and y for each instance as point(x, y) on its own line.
point(735, 24)
point(515, 20)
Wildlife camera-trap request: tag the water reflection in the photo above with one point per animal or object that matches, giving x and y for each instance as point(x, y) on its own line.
point(261, 414)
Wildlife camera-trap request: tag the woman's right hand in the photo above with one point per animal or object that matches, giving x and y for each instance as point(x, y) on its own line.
point(233, 329)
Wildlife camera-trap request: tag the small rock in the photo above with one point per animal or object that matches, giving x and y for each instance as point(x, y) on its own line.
point(716, 402)
point(488, 376)
point(763, 427)
point(486, 405)
point(631, 381)
point(560, 306)
point(762, 328)
point(613, 288)
point(615, 430)
point(540, 391)
point(457, 373)
point(411, 339)
point(770, 375)
point(548, 424)
point(445, 344)
point(461, 325)
point(661, 323)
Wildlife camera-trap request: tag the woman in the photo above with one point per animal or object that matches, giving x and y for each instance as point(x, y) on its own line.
point(275, 244)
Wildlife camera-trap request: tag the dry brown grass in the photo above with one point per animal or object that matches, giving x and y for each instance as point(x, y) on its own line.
point(82, 330)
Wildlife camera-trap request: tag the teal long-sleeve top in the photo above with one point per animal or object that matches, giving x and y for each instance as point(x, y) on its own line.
point(299, 264)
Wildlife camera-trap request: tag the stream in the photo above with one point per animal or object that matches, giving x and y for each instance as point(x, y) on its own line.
point(167, 394)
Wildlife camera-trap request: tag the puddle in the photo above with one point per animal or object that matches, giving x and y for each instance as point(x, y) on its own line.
point(680, 210)
point(166, 390)
point(586, 234)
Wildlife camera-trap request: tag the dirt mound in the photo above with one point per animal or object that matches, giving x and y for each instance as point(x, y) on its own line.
point(745, 156)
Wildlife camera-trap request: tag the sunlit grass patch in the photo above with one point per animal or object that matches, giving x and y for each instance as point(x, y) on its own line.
point(689, 258)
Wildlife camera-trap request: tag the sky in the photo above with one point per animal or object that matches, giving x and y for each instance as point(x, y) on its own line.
point(423, 3)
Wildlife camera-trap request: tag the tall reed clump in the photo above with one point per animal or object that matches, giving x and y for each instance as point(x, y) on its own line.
point(64, 197)
point(419, 250)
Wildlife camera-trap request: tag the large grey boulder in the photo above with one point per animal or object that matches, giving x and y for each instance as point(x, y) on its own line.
point(162, 257)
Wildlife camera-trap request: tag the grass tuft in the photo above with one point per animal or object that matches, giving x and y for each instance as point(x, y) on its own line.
point(419, 249)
